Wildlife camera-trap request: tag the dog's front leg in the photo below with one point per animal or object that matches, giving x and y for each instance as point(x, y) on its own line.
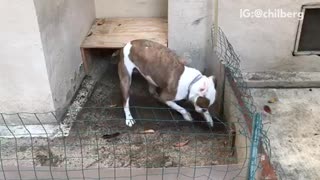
point(129, 119)
point(186, 115)
point(208, 118)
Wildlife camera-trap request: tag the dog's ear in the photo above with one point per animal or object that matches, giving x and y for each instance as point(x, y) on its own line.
point(214, 80)
point(203, 89)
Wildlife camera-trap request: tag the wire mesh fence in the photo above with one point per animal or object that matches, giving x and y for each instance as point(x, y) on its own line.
point(260, 148)
point(160, 146)
point(161, 140)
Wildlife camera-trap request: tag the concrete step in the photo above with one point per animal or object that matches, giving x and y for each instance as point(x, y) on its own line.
point(282, 79)
point(218, 172)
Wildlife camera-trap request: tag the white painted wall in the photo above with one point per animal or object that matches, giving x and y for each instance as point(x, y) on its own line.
point(63, 25)
point(185, 37)
point(26, 65)
point(263, 44)
point(24, 84)
point(131, 8)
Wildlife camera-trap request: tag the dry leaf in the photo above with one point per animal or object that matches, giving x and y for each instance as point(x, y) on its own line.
point(149, 131)
point(181, 144)
point(100, 22)
point(272, 100)
point(267, 109)
point(113, 105)
point(89, 34)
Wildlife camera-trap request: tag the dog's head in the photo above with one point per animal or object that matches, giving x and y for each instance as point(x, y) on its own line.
point(203, 93)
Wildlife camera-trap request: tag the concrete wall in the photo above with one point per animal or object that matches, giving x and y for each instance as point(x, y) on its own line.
point(189, 30)
point(63, 25)
point(131, 8)
point(263, 44)
point(233, 115)
point(24, 84)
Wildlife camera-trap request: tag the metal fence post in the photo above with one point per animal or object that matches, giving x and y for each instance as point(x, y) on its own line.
point(256, 132)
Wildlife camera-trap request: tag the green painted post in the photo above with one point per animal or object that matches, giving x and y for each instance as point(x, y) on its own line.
point(256, 132)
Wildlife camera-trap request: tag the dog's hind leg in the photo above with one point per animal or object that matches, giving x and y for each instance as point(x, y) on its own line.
point(125, 72)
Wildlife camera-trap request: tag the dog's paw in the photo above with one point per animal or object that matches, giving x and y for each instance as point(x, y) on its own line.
point(210, 123)
point(208, 118)
point(130, 122)
point(187, 116)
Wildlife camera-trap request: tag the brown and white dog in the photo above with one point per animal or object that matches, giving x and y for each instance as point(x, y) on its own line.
point(164, 70)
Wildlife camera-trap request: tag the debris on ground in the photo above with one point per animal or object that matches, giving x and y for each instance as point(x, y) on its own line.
point(181, 144)
point(148, 131)
point(273, 100)
point(215, 163)
point(109, 136)
point(267, 109)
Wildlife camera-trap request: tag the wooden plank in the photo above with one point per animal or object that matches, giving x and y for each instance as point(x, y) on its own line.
point(85, 60)
point(116, 32)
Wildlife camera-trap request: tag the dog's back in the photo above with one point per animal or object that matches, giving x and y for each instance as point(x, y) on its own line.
point(156, 62)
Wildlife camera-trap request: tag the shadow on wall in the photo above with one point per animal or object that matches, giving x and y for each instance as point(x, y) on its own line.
point(63, 25)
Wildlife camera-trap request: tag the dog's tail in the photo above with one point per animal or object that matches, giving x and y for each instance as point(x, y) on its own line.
point(116, 53)
point(114, 59)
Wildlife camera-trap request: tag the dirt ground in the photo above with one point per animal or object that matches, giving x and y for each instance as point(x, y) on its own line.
point(100, 138)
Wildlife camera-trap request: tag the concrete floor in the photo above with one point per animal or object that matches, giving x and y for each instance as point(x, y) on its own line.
point(293, 129)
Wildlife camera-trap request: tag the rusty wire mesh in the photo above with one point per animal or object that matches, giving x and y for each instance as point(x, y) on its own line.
point(160, 146)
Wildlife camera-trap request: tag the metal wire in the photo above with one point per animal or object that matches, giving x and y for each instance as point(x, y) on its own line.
point(100, 146)
point(227, 56)
point(63, 147)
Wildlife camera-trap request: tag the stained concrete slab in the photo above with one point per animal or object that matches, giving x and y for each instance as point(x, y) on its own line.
point(51, 123)
point(282, 79)
point(293, 129)
point(45, 124)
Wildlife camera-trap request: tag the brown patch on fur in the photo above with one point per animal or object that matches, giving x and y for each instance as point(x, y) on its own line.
point(202, 102)
point(159, 63)
point(124, 78)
